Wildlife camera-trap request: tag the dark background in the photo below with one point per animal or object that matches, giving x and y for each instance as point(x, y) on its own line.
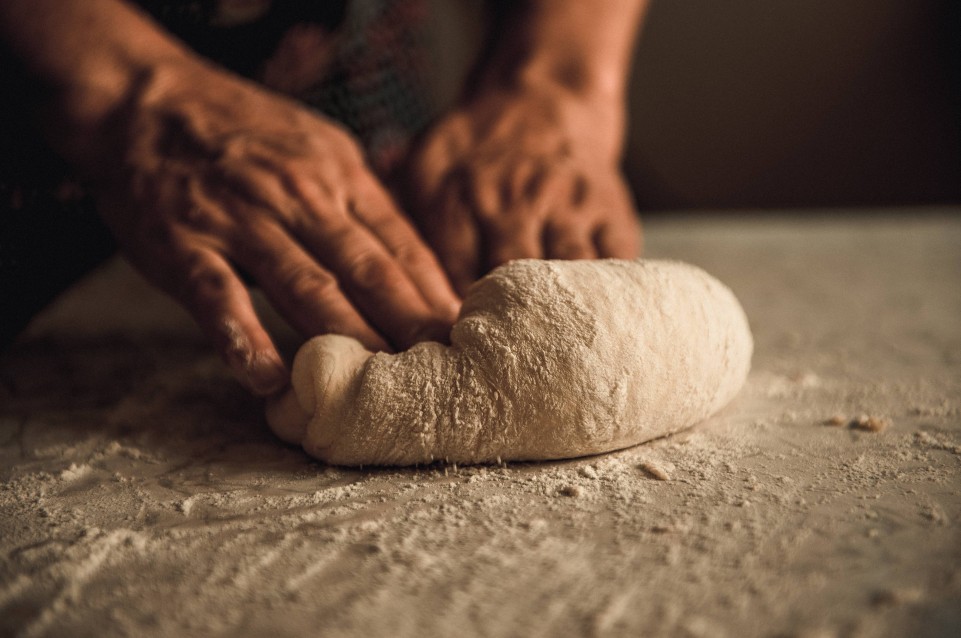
point(784, 103)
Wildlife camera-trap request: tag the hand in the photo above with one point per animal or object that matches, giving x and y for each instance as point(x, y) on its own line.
point(201, 174)
point(523, 172)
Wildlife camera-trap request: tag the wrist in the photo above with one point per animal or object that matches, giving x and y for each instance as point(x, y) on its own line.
point(596, 117)
point(84, 117)
point(564, 72)
point(97, 88)
point(580, 47)
point(79, 60)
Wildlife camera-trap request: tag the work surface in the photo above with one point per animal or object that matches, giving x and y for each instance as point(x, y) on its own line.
point(142, 494)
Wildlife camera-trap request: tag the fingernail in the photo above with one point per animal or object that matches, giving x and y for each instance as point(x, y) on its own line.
point(266, 374)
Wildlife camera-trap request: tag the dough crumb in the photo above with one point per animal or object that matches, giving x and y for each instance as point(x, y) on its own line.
point(535, 525)
point(934, 514)
point(185, 505)
point(865, 422)
point(937, 443)
point(655, 471)
point(673, 527)
point(573, 491)
point(75, 472)
point(944, 409)
point(588, 472)
point(806, 379)
point(869, 423)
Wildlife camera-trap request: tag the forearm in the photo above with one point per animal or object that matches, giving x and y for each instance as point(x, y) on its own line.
point(81, 59)
point(582, 47)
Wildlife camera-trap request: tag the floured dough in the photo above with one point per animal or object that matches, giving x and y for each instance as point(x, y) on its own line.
point(548, 360)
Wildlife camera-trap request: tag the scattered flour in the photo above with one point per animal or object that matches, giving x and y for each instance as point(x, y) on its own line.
point(847, 533)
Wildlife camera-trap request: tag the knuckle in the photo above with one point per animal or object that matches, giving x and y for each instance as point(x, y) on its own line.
point(335, 230)
point(369, 272)
point(234, 147)
point(408, 254)
point(208, 282)
point(198, 218)
point(307, 188)
point(200, 282)
point(485, 199)
point(306, 281)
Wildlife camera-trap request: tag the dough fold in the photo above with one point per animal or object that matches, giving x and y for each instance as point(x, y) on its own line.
point(548, 360)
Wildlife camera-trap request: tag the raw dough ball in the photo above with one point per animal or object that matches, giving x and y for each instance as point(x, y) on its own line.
point(548, 360)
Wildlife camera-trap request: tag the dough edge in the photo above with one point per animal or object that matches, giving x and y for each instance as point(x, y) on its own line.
point(333, 368)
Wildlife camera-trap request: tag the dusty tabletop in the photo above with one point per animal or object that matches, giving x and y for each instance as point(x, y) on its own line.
point(141, 493)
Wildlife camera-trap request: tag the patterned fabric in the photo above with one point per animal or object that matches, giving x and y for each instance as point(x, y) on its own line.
point(378, 81)
point(361, 63)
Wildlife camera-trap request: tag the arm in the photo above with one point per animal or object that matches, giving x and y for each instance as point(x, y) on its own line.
point(82, 59)
point(199, 173)
point(527, 164)
point(580, 48)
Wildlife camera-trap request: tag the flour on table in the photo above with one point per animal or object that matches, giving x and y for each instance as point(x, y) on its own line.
point(548, 360)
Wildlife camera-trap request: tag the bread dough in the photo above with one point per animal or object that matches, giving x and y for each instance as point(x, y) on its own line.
point(548, 360)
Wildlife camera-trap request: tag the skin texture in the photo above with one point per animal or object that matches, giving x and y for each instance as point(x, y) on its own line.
point(203, 176)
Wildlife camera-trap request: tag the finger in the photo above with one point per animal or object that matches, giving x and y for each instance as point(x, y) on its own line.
point(221, 305)
point(427, 172)
point(379, 213)
point(619, 240)
point(568, 239)
point(404, 295)
point(486, 184)
point(453, 234)
point(513, 236)
point(515, 230)
point(374, 281)
point(544, 187)
point(306, 294)
point(619, 234)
